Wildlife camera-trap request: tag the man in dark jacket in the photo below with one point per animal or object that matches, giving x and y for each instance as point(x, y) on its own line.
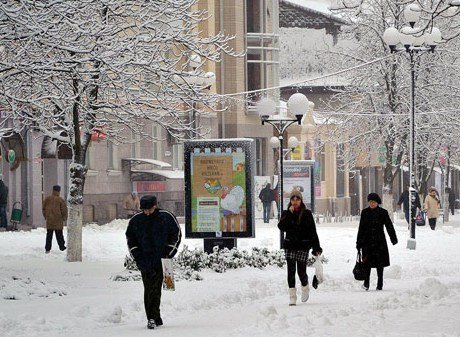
point(266, 196)
point(152, 235)
point(3, 204)
point(404, 200)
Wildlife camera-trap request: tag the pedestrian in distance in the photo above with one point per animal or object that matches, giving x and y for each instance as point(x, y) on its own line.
point(431, 206)
point(3, 204)
point(131, 204)
point(451, 197)
point(298, 224)
point(371, 238)
point(55, 212)
point(151, 235)
point(404, 200)
point(267, 197)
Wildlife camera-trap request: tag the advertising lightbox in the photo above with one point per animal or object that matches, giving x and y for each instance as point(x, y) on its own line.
point(219, 188)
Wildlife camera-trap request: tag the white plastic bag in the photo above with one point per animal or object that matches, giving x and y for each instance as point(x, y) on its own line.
point(318, 268)
point(168, 275)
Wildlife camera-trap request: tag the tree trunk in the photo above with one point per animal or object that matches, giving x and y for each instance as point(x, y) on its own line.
point(74, 233)
point(75, 222)
point(387, 192)
point(445, 207)
point(387, 203)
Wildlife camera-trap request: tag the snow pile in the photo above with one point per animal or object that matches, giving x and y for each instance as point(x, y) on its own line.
point(393, 272)
point(113, 226)
point(24, 287)
point(57, 298)
point(434, 289)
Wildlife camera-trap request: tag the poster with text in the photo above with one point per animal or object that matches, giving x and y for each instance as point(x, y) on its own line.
point(298, 175)
point(218, 188)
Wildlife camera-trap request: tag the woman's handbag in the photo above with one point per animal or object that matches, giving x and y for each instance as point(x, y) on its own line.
point(359, 271)
point(420, 218)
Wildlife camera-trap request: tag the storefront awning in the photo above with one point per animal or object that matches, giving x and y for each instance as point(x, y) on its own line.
point(139, 161)
point(168, 174)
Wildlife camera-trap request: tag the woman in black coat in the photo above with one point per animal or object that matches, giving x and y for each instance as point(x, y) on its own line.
point(371, 238)
point(298, 223)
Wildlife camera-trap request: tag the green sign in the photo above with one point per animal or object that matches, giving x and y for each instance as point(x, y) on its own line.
point(11, 156)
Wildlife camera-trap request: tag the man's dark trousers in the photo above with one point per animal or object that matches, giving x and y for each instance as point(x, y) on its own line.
point(59, 239)
point(153, 282)
point(3, 219)
point(267, 208)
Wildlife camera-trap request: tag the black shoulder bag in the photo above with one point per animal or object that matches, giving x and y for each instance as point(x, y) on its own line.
point(359, 271)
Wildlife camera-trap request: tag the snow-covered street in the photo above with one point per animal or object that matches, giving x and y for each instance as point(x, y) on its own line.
point(42, 295)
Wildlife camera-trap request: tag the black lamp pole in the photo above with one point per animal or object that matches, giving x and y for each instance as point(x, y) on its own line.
point(281, 125)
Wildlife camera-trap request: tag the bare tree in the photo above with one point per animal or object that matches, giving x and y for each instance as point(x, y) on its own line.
point(70, 67)
point(372, 113)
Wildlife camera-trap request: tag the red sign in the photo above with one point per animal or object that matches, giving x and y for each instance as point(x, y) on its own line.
point(150, 186)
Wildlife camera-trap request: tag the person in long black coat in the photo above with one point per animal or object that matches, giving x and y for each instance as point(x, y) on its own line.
point(371, 238)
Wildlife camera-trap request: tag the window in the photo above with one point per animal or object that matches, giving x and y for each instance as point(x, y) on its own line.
point(156, 143)
point(262, 45)
point(340, 180)
point(254, 15)
point(135, 145)
point(178, 156)
point(112, 156)
point(88, 162)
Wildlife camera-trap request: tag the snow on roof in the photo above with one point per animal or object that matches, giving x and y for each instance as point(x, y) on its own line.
point(169, 174)
point(317, 5)
point(155, 162)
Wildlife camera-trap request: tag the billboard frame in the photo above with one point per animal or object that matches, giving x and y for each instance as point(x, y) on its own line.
point(215, 147)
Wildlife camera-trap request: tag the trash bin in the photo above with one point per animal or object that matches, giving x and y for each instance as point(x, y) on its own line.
point(16, 215)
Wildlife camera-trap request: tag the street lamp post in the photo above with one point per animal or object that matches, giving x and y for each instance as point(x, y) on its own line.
point(413, 42)
point(199, 81)
point(298, 105)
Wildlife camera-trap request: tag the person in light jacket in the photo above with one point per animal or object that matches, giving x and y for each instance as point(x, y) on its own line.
point(371, 238)
point(131, 204)
point(431, 206)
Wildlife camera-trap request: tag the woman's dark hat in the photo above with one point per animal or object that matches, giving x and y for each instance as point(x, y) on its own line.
point(374, 197)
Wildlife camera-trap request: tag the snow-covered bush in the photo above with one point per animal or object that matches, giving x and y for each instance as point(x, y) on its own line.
point(188, 263)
